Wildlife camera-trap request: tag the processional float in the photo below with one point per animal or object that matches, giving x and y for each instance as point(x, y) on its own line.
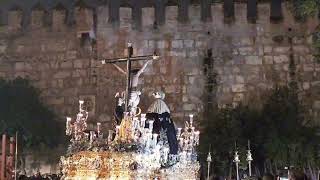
point(142, 146)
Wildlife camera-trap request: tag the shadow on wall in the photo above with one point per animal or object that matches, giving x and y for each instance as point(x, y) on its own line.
point(45, 161)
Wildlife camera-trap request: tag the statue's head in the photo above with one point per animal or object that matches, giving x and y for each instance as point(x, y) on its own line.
point(159, 95)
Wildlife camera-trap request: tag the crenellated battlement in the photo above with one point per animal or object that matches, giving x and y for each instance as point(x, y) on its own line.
point(57, 44)
point(185, 11)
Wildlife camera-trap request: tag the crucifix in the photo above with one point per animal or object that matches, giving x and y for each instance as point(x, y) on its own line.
point(132, 79)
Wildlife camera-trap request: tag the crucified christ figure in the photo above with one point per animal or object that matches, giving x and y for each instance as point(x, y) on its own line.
point(134, 95)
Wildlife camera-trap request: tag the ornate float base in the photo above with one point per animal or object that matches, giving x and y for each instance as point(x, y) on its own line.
point(107, 165)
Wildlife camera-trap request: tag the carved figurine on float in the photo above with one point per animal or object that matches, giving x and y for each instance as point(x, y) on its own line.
point(134, 96)
point(119, 110)
point(160, 113)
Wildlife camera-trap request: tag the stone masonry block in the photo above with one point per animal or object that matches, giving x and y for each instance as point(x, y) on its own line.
point(188, 107)
point(281, 50)
point(78, 63)
point(316, 104)
point(238, 97)
point(246, 41)
point(199, 44)
point(151, 44)
point(170, 89)
point(253, 60)
point(267, 49)
point(178, 44)
point(145, 44)
point(281, 59)
point(3, 48)
point(239, 79)
point(62, 75)
point(19, 66)
point(301, 49)
point(246, 50)
point(268, 59)
point(66, 64)
point(308, 67)
point(238, 88)
point(55, 101)
point(28, 66)
point(188, 43)
point(79, 73)
point(192, 53)
point(161, 44)
point(71, 54)
point(178, 53)
point(306, 85)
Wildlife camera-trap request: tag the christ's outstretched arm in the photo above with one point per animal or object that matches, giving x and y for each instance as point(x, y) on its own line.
point(143, 68)
point(120, 69)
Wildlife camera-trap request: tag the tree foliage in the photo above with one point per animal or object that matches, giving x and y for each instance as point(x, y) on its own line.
point(276, 133)
point(304, 8)
point(279, 133)
point(22, 110)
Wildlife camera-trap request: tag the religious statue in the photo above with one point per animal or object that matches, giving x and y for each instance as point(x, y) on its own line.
point(134, 96)
point(125, 129)
point(119, 110)
point(160, 113)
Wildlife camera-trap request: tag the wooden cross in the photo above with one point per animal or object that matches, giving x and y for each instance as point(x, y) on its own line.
point(128, 60)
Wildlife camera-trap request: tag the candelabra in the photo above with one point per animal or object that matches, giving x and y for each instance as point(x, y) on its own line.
point(76, 128)
point(209, 160)
point(237, 161)
point(249, 159)
point(188, 139)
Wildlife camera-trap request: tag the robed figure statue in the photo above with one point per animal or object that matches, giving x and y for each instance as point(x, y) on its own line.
point(160, 113)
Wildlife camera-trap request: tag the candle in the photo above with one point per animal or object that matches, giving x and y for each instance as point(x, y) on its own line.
point(79, 116)
point(165, 152)
point(92, 134)
point(76, 129)
point(143, 116)
point(189, 156)
point(197, 133)
point(117, 130)
point(191, 139)
point(183, 156)
point(179, 132)
point(192, 129)
point(186, 144)
point(148, 139)
point(135, 122)
point(80, 105)
point(151, 125)
point(191, 119)
point(143, 137)
point(143, 120)
point(68, 126)
point(110, 134)
point(98, 127)
point(181, 142)
point(68, 121)
point(155, 136)
point(143, 123)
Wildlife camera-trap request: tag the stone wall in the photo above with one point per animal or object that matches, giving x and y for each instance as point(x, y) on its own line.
point(64, 61)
